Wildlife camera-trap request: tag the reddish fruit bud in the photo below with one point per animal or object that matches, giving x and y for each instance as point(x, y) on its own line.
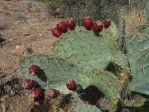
point(71, 85)
point(88, 23)
point(28, 84)
point(52, 93)
point(97, 27)
point(62, 27)
point(37, 92)
point(71, 24)
point(107, 23)
point(33, 70)
point(56, 33)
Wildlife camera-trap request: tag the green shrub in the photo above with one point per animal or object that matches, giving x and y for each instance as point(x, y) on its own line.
point(97, 9)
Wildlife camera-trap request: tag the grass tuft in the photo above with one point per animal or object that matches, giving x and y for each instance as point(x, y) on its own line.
point(133, 19)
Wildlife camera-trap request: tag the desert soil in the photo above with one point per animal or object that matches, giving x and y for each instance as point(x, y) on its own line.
point(26, 25)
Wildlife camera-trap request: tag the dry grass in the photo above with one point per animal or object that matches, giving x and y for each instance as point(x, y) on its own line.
point(134, 18)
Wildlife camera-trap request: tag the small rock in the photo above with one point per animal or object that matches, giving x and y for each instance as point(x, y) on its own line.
point(29, 50)
point(2, 28)
point(19, 50)
point(40, 34)
point(29, 5)
point(26, 34)
point(2, 39)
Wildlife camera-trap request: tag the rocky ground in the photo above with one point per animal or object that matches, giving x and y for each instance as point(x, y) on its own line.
point(26, 25)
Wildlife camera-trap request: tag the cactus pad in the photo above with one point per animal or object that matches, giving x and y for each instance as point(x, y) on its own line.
point(106, 82)
point(140, 77)
point(84, 49)
point(110, 36)
point(54, 73)
point(120, 59)
point(138, 55)
point(147, 9)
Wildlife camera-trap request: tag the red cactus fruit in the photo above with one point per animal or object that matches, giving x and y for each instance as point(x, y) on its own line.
point(33, 70)
point(71, 24)
point(62, 27)
point(97, 27)
point(37, 92)
point(28, 84)
point(88, 23)
point(71, 85)
point(55, 32)
point(107, 23)
point(52, 93)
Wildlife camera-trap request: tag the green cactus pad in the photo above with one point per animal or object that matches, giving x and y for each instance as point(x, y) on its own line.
point(138, 55)
point(137, 44)
point(80, 106)
point(84, 49)
point(147, 9)
point(86, 108)
point(140, 77)
point(106, 82)
point(110, 36)
point(55, 72)
point(120, 59)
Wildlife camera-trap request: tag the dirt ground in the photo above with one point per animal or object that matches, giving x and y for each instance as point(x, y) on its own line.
point(26, 25)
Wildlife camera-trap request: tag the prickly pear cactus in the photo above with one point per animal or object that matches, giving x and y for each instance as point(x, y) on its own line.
point(87, 50)
point(55, 72)
point(138, 55)
point(83, 48)
point(147, 9)
point(106, 82)
point(120, 59)
point(110, 37)
point(84, 57)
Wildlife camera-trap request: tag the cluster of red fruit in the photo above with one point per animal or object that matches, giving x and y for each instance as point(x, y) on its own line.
point(88, 23)
point(62, 27)
point(37, 91)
